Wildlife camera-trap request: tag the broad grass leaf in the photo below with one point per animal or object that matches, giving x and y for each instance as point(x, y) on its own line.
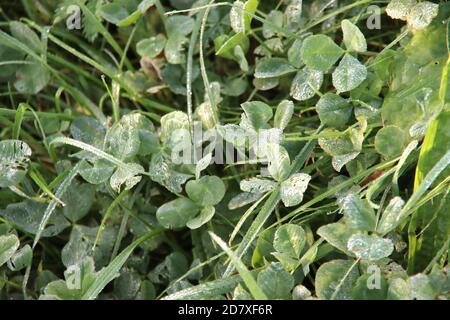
point(306, 84)
point(206, 191)
point(275, 281)
point(283, 114)
point(334, 111)
point(151, 47)
point(245, 274)
point(319, 52)
point(14, 158)
point(109, 273)
point(390, 141)
point(349, 74)
point(370, 248)
point(354, 39)
point(8, 246)
point(176, 213)
point(293, 188)
point(335, 280)
point(358, 214)
point(290, 239)
point(272, 68)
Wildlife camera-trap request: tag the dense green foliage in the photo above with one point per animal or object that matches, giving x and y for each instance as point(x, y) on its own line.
point(337, 114)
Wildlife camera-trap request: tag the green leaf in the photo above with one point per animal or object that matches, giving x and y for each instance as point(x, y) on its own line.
point(391, 215)
point(31, 77)
point(335, 280)
point(14, 158)
point(256, 185)
point(319, 52)
point(163, 172)
point(422, 14)
point(27, 36)
point(176, 213)
point(361, 290)
point(354, 39)
point(370, 248)
point(279, 162)
point(306, 84)
point(390, 141)
point(398, 290)
point(272, 68)
point(78, 201)
point(206, 191)
point(333, 110)
point(275, 17)
point(21, 258)
point(250, 7)
point(258, 113)
point(349, 74)
point(124, 15)
point(171, 122)
point(151, 47)
point(358, 213)
point(283, 114)
point(179, 25)
point(236, 16)
point(206, 214)
point(8, 246)
point(294, 53)
point(174, 50)
point(290, 239)
point(337, 234)
point(275, 281)
point(28, 214)
point(292, 189)
point(128, 176)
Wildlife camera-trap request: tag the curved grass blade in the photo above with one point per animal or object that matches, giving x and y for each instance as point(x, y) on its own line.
point(246, 276)
point(109, 273)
